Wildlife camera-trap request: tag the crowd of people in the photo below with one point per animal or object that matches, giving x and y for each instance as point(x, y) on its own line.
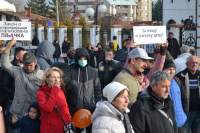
point(127, 90)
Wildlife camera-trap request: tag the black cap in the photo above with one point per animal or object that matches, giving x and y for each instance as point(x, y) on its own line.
point(29, 58)
point(168, 63)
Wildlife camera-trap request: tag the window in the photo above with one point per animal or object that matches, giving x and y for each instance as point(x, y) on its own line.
point(114, 15)
point(114, 6)
point(132, 15)
point(132, 7)
point(146, 8)
point(146, 15)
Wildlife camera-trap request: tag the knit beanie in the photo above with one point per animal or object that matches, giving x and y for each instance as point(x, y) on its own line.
point(71, 54)
point(168, 63)
point(112, 90)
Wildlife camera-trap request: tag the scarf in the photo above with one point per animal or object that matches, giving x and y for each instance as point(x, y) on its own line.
point(99, 49)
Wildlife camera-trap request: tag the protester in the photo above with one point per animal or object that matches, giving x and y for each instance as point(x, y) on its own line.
point(150, 63)
point(52, 93)
point(111, 116)
point(173, 48)
point(92, 52)
point(107, 68)
point(175, 95)
point(157, 50)
point(188, 81)
point(116, 46)
point(71, 89)
point(66, 45)
point(86, 79)
point(57, 52)
point(193, 52)
point(129, 39)
point(45, 53)
point(7, 83)
point(29, 123)
point(70, 57)
point(27, 80)
point(180, 61)
point(137, 61)
point(100, 54)
point(35, 41)
point(153, 112)
point(121, 52)
point(111, 46)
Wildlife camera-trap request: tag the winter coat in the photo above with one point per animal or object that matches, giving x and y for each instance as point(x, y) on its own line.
point(182, 78)
point(66, 47)
point(57, 51)
point(173, 47)
point(27, 124)
point(120, 53)
point(145, 117)
point(180, 62)
point(35, 41)
point(7, 85)
point(87, 80)
point(106, 119)
point(100, 56)
point(50, 119)
point(45, 53)
point(126, 78)
point(93, 59)
point(112, 71)
point(72, 63)
point(26, 85)
point(175, 95)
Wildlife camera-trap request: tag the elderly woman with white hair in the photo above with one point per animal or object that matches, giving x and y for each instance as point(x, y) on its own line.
point(111, 116)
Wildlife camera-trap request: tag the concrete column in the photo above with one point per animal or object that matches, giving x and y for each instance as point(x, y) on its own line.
point(77, 37)
point(115, 29)
point(92, 34)
point(40, 33)
point(50, 33)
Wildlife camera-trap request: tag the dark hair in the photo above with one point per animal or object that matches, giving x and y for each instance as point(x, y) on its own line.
point(55, 41)
point(88, 44)
point(129, 36)
point(152, 55)
point(126, 40)
point(114, 37)
point(65, 43)
point(111, 45)
point(171, 33)
point(110, 50)
point(17, 51)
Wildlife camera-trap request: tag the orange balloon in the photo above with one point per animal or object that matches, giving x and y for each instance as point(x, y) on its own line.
point(82, 118)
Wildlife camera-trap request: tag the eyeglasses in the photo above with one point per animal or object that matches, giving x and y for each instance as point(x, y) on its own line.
point(144, 61)
point(194, 63)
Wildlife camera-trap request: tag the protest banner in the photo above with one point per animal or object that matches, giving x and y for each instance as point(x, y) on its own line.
point(149, 34)
point(19, 30)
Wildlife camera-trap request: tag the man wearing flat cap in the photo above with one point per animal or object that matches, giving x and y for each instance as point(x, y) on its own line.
point(27, 80)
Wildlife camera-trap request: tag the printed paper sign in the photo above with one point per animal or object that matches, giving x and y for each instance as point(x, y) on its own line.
point(19, 30)
point(149, 34)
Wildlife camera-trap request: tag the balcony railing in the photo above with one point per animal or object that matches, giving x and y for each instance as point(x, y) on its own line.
point(139, 3)
point(139, 11)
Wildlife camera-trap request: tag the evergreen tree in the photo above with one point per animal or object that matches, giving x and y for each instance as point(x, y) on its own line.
point(42, 7)
point(157, 10)
point(34, 6)
point(63, 6)
point(69, 30)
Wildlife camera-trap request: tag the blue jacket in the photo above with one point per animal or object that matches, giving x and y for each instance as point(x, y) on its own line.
point(175, 95)
point(27, 125)
point(120, 53)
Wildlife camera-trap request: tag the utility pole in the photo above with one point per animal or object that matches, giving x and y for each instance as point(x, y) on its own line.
point(57, 13)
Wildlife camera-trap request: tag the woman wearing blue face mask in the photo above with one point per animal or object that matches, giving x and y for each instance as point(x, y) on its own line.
point(87, 81)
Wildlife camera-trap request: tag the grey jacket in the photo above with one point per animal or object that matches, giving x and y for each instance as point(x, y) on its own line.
point(45, 53)
point(107, 119)
point(26, 85)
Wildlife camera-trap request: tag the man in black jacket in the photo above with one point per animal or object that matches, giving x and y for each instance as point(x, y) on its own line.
point(173, 47)
point(35, 41)
point(92, 52)
point(8, 83)
point(188, 81)
point(86, 79)
point(153, 112)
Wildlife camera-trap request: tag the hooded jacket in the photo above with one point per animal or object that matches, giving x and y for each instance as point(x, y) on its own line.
point(71, 89)
point(145, 117)
point(45, 53)
point(106, 119)
point(26, 85)
point(180, 62)
point(87, 80)
point(27, 124)
point(57, 51)
point(100, 55)
point(50, 119)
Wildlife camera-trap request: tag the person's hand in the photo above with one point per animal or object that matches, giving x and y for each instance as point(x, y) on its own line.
point(165, 44)
point(12, 42)
point(108, 59)
point(97, 69)
point(57, 84)
point(133, 44)
point(14, 119)
point(26, 114)
point(95, 49)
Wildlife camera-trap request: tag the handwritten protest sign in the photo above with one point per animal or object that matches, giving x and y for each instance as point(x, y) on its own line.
point(149, 34)
point(19, 30)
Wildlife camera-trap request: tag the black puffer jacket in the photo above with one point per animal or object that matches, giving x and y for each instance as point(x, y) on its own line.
point(71, 89)
point(66, 47)
point(87, 80)
point(145, 118)
point(57, 51)
point(173, 47)
point(93, 59)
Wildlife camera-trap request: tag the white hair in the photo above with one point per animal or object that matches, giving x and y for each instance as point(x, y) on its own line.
point(185, 49)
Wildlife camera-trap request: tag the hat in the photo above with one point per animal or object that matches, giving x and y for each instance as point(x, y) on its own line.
point(112, 90)
point(29, 58)
point(71, 54)
point(139, 53)
point(168, 63)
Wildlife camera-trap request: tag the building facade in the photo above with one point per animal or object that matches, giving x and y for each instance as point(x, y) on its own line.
point(143, 10)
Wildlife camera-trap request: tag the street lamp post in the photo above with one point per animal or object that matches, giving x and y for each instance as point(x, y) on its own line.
point(90, 12)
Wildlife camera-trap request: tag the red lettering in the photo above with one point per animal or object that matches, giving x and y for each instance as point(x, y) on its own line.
point(22, 35)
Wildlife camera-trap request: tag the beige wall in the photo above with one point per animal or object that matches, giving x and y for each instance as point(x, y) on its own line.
point(145, 10)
